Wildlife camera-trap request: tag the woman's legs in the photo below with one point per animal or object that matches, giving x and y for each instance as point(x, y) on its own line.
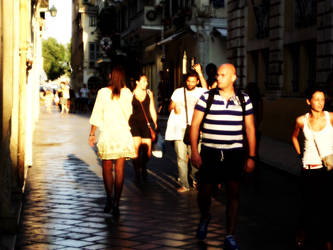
point(108, 183)
point(108, 177)
point(119, 176)
point(143, 151)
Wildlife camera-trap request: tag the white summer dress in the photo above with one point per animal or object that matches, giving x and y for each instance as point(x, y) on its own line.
point(111, 117)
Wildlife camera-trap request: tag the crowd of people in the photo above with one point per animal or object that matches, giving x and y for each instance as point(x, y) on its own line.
point(223, 123)
point(214, 113)
point(67, 100)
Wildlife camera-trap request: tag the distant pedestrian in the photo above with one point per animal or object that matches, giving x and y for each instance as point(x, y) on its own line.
point(48, 100)
point(71, 100)
point(77, 105)
point(211, 71)
point(110, 114)
point(143, 110)
point(317, 128)
point(64, 97)
point(177, 123)
point(222, 154)
point(84, 94)
point(56, 98)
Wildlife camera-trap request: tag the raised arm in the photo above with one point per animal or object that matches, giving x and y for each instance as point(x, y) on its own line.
point(197, 68)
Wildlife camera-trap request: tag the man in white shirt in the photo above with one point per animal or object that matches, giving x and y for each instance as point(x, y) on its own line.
point(177, 124)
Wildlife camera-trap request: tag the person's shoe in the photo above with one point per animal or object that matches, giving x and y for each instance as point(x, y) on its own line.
point(195, 184)
point(108, 205)
point(183, 189)
point(202, 228)
point(230, 243)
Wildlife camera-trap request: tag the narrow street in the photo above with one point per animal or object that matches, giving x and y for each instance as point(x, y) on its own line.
point(64, 201)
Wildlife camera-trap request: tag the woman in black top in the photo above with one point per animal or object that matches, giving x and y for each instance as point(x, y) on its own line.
point(143, 106)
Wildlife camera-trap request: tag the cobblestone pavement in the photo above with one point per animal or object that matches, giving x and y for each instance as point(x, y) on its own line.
point(64, 201)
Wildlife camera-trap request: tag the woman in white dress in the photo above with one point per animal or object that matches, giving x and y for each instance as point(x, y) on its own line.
point(110, 114)
point(316, 212)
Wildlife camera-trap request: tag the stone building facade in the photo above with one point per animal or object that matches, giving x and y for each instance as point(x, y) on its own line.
point(85, 43)
point(284, 46)
point(21, 28)
point(164, 38)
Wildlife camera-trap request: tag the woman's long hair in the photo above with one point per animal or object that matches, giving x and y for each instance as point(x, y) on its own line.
point(117, 81)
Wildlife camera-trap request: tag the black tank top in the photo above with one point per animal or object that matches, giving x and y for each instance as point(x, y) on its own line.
point(138, 115)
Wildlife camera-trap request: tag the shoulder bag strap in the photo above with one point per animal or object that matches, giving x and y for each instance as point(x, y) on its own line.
point(148, 124)
point(313, 136)
point(209, 104)
point(185, 107)
point(242, 101)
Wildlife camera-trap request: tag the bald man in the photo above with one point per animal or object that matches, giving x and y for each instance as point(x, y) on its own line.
point(221, 159)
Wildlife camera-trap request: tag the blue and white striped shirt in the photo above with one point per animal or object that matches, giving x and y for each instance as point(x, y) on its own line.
point(223, 126)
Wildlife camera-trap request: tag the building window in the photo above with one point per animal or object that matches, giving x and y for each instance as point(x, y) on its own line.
point(305, 13)
point(218, 3)
point(92, 21)
point(92, 55)
point(310, 50)
point(261, 13)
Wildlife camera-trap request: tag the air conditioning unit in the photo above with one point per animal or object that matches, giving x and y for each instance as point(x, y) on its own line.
point(151, 16)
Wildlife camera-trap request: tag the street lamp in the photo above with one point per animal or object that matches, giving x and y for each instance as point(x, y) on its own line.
point(53, 11)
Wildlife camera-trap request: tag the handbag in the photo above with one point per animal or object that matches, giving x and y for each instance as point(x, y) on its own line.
point(152, 132)
point(328, 162)
point(186, 138)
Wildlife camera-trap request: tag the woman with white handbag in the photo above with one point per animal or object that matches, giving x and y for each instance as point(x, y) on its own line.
point(316, 210)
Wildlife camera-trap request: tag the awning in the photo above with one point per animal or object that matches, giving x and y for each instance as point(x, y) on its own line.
point(170, 38)
point(164, 41)
point(150, 47)
point(152, 27)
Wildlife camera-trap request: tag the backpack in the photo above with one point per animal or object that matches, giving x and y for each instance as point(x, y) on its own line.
point(210, 102)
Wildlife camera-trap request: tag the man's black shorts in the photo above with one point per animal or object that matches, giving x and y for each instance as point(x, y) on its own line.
point(213, 170)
